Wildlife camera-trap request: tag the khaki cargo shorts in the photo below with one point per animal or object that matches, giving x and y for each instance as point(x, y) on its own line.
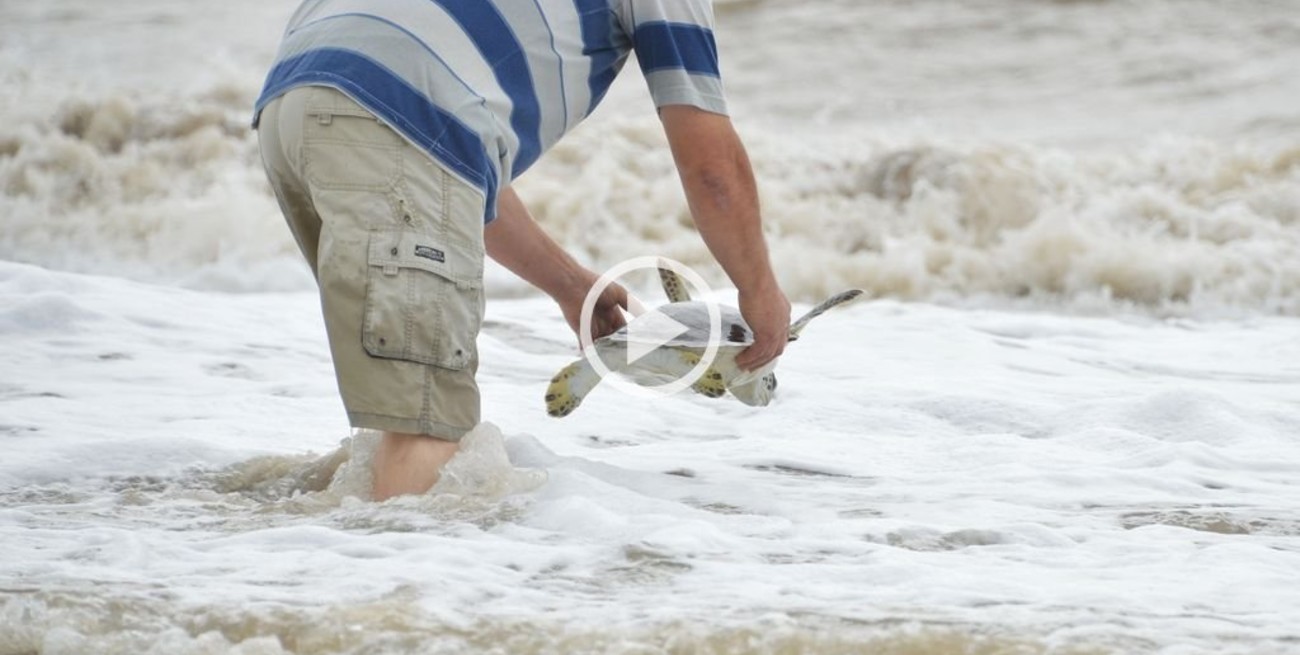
point(396, 244)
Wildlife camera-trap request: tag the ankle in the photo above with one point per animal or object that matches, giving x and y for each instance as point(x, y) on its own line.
point(408, 464)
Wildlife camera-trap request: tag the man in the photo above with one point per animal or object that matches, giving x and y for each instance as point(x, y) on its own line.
point(391, 130)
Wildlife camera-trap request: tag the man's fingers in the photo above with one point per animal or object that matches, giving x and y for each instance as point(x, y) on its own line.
point(760, 354)
point(606, 322)
point(615, 294)
point(620, 295)
point(613, 321)
point(753, 359)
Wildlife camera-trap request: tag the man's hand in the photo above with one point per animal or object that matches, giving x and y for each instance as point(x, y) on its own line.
point(606, 316)
point(767, 312)
point(516, 241)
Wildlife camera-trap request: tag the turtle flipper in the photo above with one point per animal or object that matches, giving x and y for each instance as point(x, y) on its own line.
point(569, 387)
point(757, 392)
point(674, 287)
point(710, 384)
point(837, 299)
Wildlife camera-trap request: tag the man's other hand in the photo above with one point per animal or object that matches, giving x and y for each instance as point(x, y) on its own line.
point(606, 316)
point(767, 311)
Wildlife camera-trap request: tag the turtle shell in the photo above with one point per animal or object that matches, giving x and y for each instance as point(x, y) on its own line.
point(694, 316)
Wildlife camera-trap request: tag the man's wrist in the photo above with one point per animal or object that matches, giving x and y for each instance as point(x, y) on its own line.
point(571, 284)
point(759, 284)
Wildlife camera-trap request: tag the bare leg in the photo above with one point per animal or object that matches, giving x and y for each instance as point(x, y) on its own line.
point(409, 463)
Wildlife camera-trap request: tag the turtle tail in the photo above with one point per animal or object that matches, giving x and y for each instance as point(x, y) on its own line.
point(569, 387)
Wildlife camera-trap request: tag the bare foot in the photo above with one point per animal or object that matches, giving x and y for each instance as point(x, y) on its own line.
point(409, 463)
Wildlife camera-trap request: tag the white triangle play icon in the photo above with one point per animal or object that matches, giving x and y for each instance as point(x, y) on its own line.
point(649, 332)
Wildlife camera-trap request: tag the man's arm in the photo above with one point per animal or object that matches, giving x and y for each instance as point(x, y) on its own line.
point(723, 198)
point(517, 242)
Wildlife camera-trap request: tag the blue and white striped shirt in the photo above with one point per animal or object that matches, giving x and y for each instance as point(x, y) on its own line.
point(487, 86)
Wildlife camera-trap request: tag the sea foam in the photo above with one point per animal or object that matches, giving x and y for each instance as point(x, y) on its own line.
point(171, 190)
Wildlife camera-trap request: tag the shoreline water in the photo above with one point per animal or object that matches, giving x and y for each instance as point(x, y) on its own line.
point(929, 480)
point(1065, 422)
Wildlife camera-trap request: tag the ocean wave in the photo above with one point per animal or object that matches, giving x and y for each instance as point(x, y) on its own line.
point(167, 190)
point(1171, 224)
point(170, 190)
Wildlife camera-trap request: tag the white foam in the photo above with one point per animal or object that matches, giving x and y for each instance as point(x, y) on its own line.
point(1081, 482)
point(956, 478)
point(1180, 225)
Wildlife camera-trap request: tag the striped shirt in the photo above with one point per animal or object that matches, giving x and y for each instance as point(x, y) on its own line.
point(487, 86)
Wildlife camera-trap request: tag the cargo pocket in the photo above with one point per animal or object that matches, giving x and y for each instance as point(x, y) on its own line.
point(424, 299)
point(349, 149)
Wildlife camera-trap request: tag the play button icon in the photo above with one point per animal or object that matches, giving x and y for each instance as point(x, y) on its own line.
point(649, 332)
point(653, 330)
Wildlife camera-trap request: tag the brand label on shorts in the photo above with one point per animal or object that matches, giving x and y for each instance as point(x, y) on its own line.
point(429, 252)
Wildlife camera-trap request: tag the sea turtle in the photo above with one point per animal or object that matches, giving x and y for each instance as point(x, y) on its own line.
point(676, 357)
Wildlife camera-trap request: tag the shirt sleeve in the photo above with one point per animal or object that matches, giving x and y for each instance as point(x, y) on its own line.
point(675, 48)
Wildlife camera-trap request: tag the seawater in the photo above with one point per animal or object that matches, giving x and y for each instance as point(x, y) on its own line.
point(1065, 422)
point(928, 480)
point(291, 497)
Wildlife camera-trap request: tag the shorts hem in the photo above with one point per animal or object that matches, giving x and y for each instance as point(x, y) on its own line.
point(433, 429)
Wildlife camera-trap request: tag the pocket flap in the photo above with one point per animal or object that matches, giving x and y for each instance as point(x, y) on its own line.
point(406, 249)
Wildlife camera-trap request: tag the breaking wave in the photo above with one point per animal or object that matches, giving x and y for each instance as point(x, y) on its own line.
point(170, 190)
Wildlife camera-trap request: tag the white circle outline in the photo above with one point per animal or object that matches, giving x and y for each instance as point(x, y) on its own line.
point(608, 278)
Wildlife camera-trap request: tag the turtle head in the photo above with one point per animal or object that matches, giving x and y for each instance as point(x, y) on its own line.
point(757, 392)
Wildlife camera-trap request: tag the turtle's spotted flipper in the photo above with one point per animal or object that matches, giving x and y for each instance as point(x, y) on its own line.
point(569, 387)
point(674, 287)
point(837, 299)
point(710, 384)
